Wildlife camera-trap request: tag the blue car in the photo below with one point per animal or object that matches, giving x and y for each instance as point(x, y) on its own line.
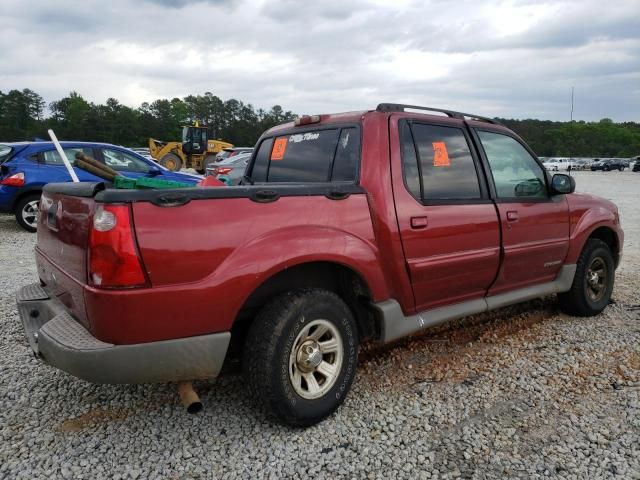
point(25, 167)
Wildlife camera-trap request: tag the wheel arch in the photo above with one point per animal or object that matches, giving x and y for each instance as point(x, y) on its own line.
point(343, 280)
point(608, 236)
point(23, 193)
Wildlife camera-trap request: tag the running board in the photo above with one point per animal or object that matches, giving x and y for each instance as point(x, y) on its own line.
point(395, 325)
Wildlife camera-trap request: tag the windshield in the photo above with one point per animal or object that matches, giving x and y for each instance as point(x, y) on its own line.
point(5, 152)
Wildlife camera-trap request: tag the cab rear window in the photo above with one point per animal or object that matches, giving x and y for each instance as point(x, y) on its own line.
point(313, 156)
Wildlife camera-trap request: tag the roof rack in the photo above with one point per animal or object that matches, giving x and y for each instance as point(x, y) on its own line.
point(399, 107)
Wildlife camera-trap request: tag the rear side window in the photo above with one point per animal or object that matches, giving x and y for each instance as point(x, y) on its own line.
point(447, 169)
point(315, 156)
point(5, 152)
point(52, 157)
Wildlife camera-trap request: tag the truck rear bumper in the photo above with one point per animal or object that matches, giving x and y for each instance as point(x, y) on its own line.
point(60, 341)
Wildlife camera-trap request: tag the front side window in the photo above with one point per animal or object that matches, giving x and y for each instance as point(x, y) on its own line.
point(121, 161)
point(52, 157)
point(442, 155)
point(309, 157)
point(515, 172)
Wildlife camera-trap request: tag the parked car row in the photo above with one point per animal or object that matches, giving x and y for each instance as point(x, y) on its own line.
point(26, 167)
point(609, 164)
point(569, 164)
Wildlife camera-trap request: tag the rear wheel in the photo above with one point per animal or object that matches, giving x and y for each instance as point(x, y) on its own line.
point(593, 282)
point(26, 212)
point(171, 161)
point(621, 168)
point(300, 356)
point(209, 161)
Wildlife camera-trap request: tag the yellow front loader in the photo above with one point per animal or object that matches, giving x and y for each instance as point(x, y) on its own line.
point(195, 151)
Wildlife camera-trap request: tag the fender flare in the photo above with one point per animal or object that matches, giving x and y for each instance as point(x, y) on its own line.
point(589, 223)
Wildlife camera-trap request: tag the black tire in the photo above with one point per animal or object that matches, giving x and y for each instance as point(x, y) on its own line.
point(172, 162)
point(606, 168)
point(581, 300)
point(23, 210)
point(270, 366)
point(209, 161)
point(621, 168)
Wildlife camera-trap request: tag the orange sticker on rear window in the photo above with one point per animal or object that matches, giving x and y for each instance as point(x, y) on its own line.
point(279, 147)
point(440, 155)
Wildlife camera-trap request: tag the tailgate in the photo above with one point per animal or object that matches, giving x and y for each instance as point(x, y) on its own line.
point(66, 215)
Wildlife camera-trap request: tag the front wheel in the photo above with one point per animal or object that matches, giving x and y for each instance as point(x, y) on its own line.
point(593, 282)
point(26, 212)
point(300, 356)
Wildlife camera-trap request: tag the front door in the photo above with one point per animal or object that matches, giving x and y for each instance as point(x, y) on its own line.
point(535, 225)
point(448, 224)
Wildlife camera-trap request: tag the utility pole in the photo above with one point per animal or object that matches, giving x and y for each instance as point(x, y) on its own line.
point(571, 117)
point(571, 127)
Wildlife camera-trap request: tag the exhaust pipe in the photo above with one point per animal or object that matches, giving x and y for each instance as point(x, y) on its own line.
point(189, 397)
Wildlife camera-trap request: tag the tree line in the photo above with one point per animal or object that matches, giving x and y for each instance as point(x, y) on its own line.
point(24, 115)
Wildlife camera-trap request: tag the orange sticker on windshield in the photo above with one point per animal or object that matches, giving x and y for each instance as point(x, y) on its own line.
point(279, 147)
point(440, 155)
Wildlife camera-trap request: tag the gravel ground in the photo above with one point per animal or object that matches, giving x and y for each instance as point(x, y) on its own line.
point(524, 392)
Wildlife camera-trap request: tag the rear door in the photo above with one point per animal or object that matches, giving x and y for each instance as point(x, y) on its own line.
point(535, 225)
point(448, 224)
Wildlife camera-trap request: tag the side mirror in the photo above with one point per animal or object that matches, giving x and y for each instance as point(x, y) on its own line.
point(154, 171)
point(562, 184)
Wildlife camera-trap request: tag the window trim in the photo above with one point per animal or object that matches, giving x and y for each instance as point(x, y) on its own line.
point(489, 175)
point(484, 198)
point(307, 129)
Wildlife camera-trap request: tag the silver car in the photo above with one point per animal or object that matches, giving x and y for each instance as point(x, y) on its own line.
point(230, 170)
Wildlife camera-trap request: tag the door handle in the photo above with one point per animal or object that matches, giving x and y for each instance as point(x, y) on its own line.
point(419, 222)
point(512, 216)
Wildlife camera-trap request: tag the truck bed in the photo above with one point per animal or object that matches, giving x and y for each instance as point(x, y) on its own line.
point(197, 246)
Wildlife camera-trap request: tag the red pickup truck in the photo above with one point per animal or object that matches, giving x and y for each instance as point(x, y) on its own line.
point(362, 225)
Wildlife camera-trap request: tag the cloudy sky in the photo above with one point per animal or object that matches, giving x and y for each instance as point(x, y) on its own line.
point(497, 58)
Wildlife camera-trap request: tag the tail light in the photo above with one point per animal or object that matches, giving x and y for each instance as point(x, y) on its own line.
point(114, 261)
point(306, 120)
point(223, 170)
point(15, 180)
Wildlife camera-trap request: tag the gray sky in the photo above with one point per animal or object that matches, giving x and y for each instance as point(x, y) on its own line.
point(505, 58)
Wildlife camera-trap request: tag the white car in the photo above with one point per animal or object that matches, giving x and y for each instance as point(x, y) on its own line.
point(561, 164)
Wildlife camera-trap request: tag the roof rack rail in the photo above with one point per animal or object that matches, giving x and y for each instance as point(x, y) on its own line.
point(400, 107)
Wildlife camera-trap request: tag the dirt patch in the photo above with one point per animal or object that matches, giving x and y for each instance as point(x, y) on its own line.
point(458, 351)
point(94, 418)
